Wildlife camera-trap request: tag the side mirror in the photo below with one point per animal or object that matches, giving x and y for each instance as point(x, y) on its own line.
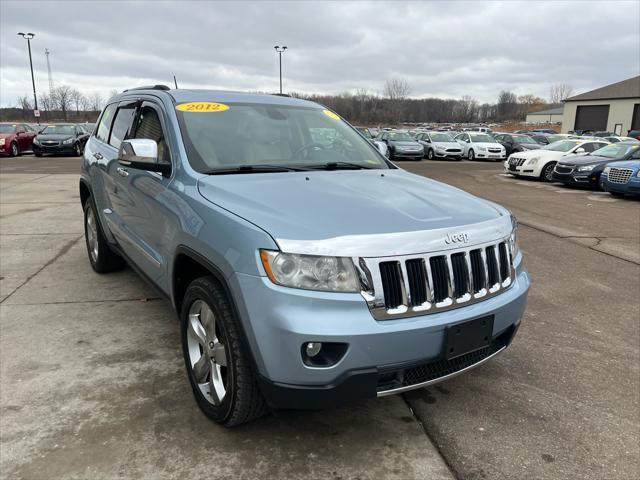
point(381, 146)
point(141, 153)
point(580, 150)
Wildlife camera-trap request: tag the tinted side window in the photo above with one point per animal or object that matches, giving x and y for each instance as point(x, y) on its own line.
point(148, 125)
point(104, 126)
point(121, 125)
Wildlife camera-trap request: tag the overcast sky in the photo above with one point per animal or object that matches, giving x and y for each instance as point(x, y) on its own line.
point(443, 49)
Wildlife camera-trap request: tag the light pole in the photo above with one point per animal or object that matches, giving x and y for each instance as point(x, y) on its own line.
point(28, 37)
point(280, 50)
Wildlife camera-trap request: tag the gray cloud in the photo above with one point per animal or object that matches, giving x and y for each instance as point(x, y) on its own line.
point(444, 49)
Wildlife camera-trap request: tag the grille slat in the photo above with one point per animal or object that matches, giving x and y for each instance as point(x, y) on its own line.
point(417, 276)
point(391, 284)
point(492, 265)
point(408, 286)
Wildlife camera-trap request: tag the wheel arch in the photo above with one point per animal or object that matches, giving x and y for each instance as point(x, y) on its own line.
point(187, 266)
point(85, 191)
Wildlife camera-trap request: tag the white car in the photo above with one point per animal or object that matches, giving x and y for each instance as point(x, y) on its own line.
point(540, 163)
point(480, 146)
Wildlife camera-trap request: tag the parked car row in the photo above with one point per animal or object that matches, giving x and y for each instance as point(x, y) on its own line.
point(613, 167)
point(65, 138)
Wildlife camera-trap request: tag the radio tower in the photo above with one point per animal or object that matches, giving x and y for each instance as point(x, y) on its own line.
point(47, 52)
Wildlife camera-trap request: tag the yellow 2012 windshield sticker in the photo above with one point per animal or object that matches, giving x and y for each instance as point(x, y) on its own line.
point(202, 107)
point(330, 114)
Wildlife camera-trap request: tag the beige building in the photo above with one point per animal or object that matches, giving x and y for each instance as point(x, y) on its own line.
point(614, 108)
point(552, 115)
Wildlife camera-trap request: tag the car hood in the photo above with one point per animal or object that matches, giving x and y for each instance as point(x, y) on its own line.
point(52, 136)
point(529, 146)
point(540, 153)
point(314, 206)
point(446, 144)
point(588, 160)
point(404, 143)
point(635, 164)
point(487, 144)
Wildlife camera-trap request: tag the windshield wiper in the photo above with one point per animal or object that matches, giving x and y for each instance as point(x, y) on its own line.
point(339, 165)
point(255, 169)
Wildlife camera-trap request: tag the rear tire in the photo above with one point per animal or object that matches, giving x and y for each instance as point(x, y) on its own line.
point(101, 257)
point(211, 335)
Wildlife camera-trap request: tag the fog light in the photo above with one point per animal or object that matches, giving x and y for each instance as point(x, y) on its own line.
point(313, 349)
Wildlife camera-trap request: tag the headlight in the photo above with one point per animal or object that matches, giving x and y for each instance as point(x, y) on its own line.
point(310, 272)
point(2, 141)
point(513, 238)
point(68, 141)
point(638, 174)
point(36, 141)
point(586, 168)
point(533, 161)
point(607, 170)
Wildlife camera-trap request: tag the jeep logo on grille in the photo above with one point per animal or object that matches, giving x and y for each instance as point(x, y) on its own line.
point(456, 238)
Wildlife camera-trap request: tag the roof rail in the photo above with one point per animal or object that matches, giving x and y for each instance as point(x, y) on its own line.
point(148, 87)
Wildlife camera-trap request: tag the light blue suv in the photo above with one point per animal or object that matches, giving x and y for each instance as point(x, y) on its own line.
point(307, 269)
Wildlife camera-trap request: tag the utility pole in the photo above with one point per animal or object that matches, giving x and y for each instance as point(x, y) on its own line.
point(280, 50)
point(28, 37)
point(47, 52)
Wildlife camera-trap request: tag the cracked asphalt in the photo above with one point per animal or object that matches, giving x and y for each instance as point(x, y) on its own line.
point(92, 381)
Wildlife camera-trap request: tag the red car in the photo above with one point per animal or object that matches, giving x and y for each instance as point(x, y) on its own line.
point(16, 138)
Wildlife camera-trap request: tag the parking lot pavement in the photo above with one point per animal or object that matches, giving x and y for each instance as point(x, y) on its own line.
point(93, 382)
point(563, 400)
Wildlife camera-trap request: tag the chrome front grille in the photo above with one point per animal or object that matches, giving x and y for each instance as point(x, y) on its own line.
point(620, 175)
point(397, 287)
point(518, 162)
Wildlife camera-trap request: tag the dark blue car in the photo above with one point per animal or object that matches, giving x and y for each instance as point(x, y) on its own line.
point(622, 178)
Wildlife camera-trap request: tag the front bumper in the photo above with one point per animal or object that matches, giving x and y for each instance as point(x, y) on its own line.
point(452, 155)
point(278, 321)
point(632, 187)
point(53, 149)
point(409, 155)
point(490, 155)
point(577, 178)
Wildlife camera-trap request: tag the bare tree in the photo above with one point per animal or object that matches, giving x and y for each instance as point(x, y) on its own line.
point(62, 96)
point(77, 99)
point(560, 92)
point(396, 89)
point(25, 103)
point(95, 102)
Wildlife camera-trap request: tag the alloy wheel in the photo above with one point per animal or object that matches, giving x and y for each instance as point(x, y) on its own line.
point(207, 352)
point(471, 155)
point(548, 172)
point(14, 150)
point(92, 235)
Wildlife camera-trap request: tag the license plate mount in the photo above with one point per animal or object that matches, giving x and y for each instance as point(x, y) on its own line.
point(467, 337)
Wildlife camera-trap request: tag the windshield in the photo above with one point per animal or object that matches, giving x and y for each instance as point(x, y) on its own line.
point(562, 145)
point(401, 136)
point(481, 137)
point(365, 132)
point(7, 128)
point(59, 130)
point(263, 134)
point(441, 137)
point(555, 138)
point(524, 139)
point(614, 151)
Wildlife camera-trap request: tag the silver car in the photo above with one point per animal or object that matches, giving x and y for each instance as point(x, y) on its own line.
point(439, 145)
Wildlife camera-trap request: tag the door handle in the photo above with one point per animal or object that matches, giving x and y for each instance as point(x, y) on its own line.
point(122, 171)
point(98, 156)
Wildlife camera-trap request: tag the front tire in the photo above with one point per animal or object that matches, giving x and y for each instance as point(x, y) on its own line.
point(547, 172)
point(101, 257)
point(37, 154)
point(77, 149)
point(14, 149)
point(430, 154)
point(218, 365)
point(471, 155)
